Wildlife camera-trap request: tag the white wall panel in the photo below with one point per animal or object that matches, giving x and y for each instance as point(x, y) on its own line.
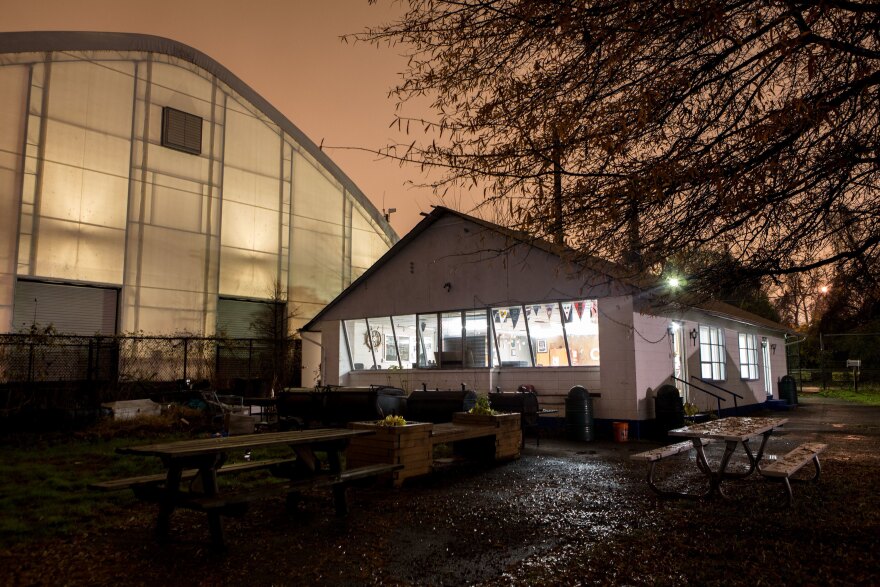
point(172, 259)
point(81, 206)
point(316, 270)
point(250, 245)
point(175, 207)
point(366, 244)
point(79, 252)
point(181, 89)
point(252, 143)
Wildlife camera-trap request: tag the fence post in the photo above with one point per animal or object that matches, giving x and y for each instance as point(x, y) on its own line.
point(250, 356)
point(90, 358)
point(31, 362)
point(822, 360)
point(185, 356)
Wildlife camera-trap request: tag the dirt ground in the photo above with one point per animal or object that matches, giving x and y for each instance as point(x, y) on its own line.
point(566, 513)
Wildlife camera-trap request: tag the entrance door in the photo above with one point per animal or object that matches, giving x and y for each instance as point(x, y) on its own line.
point(768, 376)
point(679, 358)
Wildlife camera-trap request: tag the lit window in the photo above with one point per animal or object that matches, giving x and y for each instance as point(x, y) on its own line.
point(582, 330)
point(427, 340)
point(712, 353)
point(511, 337)
point(362, 344)
point(748, 356)
point(548, 336)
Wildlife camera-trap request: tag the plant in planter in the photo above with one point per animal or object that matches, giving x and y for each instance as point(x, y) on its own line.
point(482, 407)
point(392, 421)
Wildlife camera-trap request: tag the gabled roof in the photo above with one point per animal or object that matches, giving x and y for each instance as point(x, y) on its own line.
point(601, 266)
point(49, 41)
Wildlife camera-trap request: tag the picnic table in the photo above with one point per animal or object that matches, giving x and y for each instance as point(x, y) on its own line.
point(204, 459)
point(734, 431)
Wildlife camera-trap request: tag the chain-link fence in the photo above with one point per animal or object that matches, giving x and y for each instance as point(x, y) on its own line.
point(46, 371)
point(844, 361)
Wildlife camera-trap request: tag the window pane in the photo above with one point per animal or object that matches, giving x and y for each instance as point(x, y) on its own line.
point(427, 340)
point(548, 342)
point(748, 356)
point(583, 333)
point(451, 349)
point(405, 328)
point(712, 355)
point(476, 350)
point(359, 343)
point(511, 336)
point(386, 352)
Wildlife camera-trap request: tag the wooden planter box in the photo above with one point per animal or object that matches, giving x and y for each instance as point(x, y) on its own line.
point(408, 445)
point(508, 434)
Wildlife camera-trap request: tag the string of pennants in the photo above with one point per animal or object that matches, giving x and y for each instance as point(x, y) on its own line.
point(590, 307)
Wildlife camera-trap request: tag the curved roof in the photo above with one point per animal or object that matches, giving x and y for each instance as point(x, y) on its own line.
point(47, 41)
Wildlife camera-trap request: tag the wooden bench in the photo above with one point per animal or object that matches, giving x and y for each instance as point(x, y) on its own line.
point(189, 474)
point(655, 455)
point(782, 469)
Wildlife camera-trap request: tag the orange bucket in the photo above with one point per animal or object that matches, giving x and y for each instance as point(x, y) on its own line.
point(621, 431)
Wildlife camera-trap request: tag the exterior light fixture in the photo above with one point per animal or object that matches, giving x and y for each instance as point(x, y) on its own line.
point(773, 348)
point(694, 336)
point(674, 282)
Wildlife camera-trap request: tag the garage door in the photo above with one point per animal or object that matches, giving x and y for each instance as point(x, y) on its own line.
point(71, 309)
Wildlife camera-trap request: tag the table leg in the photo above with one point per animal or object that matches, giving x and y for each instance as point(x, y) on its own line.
point(169, 500)
point(715, 477)
point(215, 522)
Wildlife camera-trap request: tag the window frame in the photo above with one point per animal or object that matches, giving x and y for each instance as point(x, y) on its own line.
point(749, 370)
point(716, 361)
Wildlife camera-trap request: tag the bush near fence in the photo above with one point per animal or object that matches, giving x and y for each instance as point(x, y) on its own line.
point(49, 372)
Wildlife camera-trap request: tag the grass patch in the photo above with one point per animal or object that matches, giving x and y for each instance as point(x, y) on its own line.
point(44, 478)
point(869, 395)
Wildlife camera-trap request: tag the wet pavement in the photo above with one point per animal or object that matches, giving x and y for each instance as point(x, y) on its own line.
point(565, 513)
point(563, 495)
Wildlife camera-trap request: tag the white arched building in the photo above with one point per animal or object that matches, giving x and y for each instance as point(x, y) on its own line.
point(145, 188)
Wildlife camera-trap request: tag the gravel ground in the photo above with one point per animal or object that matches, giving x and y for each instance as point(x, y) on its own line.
point(564, 514)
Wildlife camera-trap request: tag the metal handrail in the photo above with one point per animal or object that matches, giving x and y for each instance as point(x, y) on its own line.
point(706, 391)
point(734, 394)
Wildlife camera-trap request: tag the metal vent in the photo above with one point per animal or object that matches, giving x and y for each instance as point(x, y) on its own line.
point(181, 131)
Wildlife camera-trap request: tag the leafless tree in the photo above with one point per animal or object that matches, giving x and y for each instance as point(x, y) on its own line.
point(635, 130)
